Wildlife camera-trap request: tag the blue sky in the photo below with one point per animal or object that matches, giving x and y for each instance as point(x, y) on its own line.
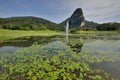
point(99, 11)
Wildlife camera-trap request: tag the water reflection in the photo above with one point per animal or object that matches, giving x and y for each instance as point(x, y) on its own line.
point(112, 46)
point(108, 48)
point(109, 67)
point(8, 49)
point(29, 40)
point(92, 42)
point(67, 38)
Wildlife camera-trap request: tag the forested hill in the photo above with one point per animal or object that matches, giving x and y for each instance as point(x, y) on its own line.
point(90, 24)
point(28, 23)
point(108, 26)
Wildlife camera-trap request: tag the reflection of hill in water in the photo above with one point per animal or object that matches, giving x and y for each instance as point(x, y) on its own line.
point(28, 41)
point(73, 42)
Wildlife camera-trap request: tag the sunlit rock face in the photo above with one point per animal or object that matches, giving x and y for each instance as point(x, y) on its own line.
point(77, 18)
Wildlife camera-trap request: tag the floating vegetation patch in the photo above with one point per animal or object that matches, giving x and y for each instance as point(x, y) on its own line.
point(55, 61)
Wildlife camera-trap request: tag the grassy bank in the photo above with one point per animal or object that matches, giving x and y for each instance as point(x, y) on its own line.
point(8, 34)
point(97, 32)
point(118, 31)
point(4, 32)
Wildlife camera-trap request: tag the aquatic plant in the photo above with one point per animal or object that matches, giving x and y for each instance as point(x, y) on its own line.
point(55, 61)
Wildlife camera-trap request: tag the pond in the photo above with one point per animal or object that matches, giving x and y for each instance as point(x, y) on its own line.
point(107, 46)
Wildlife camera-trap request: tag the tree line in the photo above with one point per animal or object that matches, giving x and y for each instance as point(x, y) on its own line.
point(108, 27)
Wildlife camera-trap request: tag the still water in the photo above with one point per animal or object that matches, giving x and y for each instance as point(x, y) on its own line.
point(95, 44)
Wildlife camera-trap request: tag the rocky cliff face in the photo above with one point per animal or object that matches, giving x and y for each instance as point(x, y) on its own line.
point(76, 19)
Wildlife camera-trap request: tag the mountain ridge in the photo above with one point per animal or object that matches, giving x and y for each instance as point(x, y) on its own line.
point(76, 20)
